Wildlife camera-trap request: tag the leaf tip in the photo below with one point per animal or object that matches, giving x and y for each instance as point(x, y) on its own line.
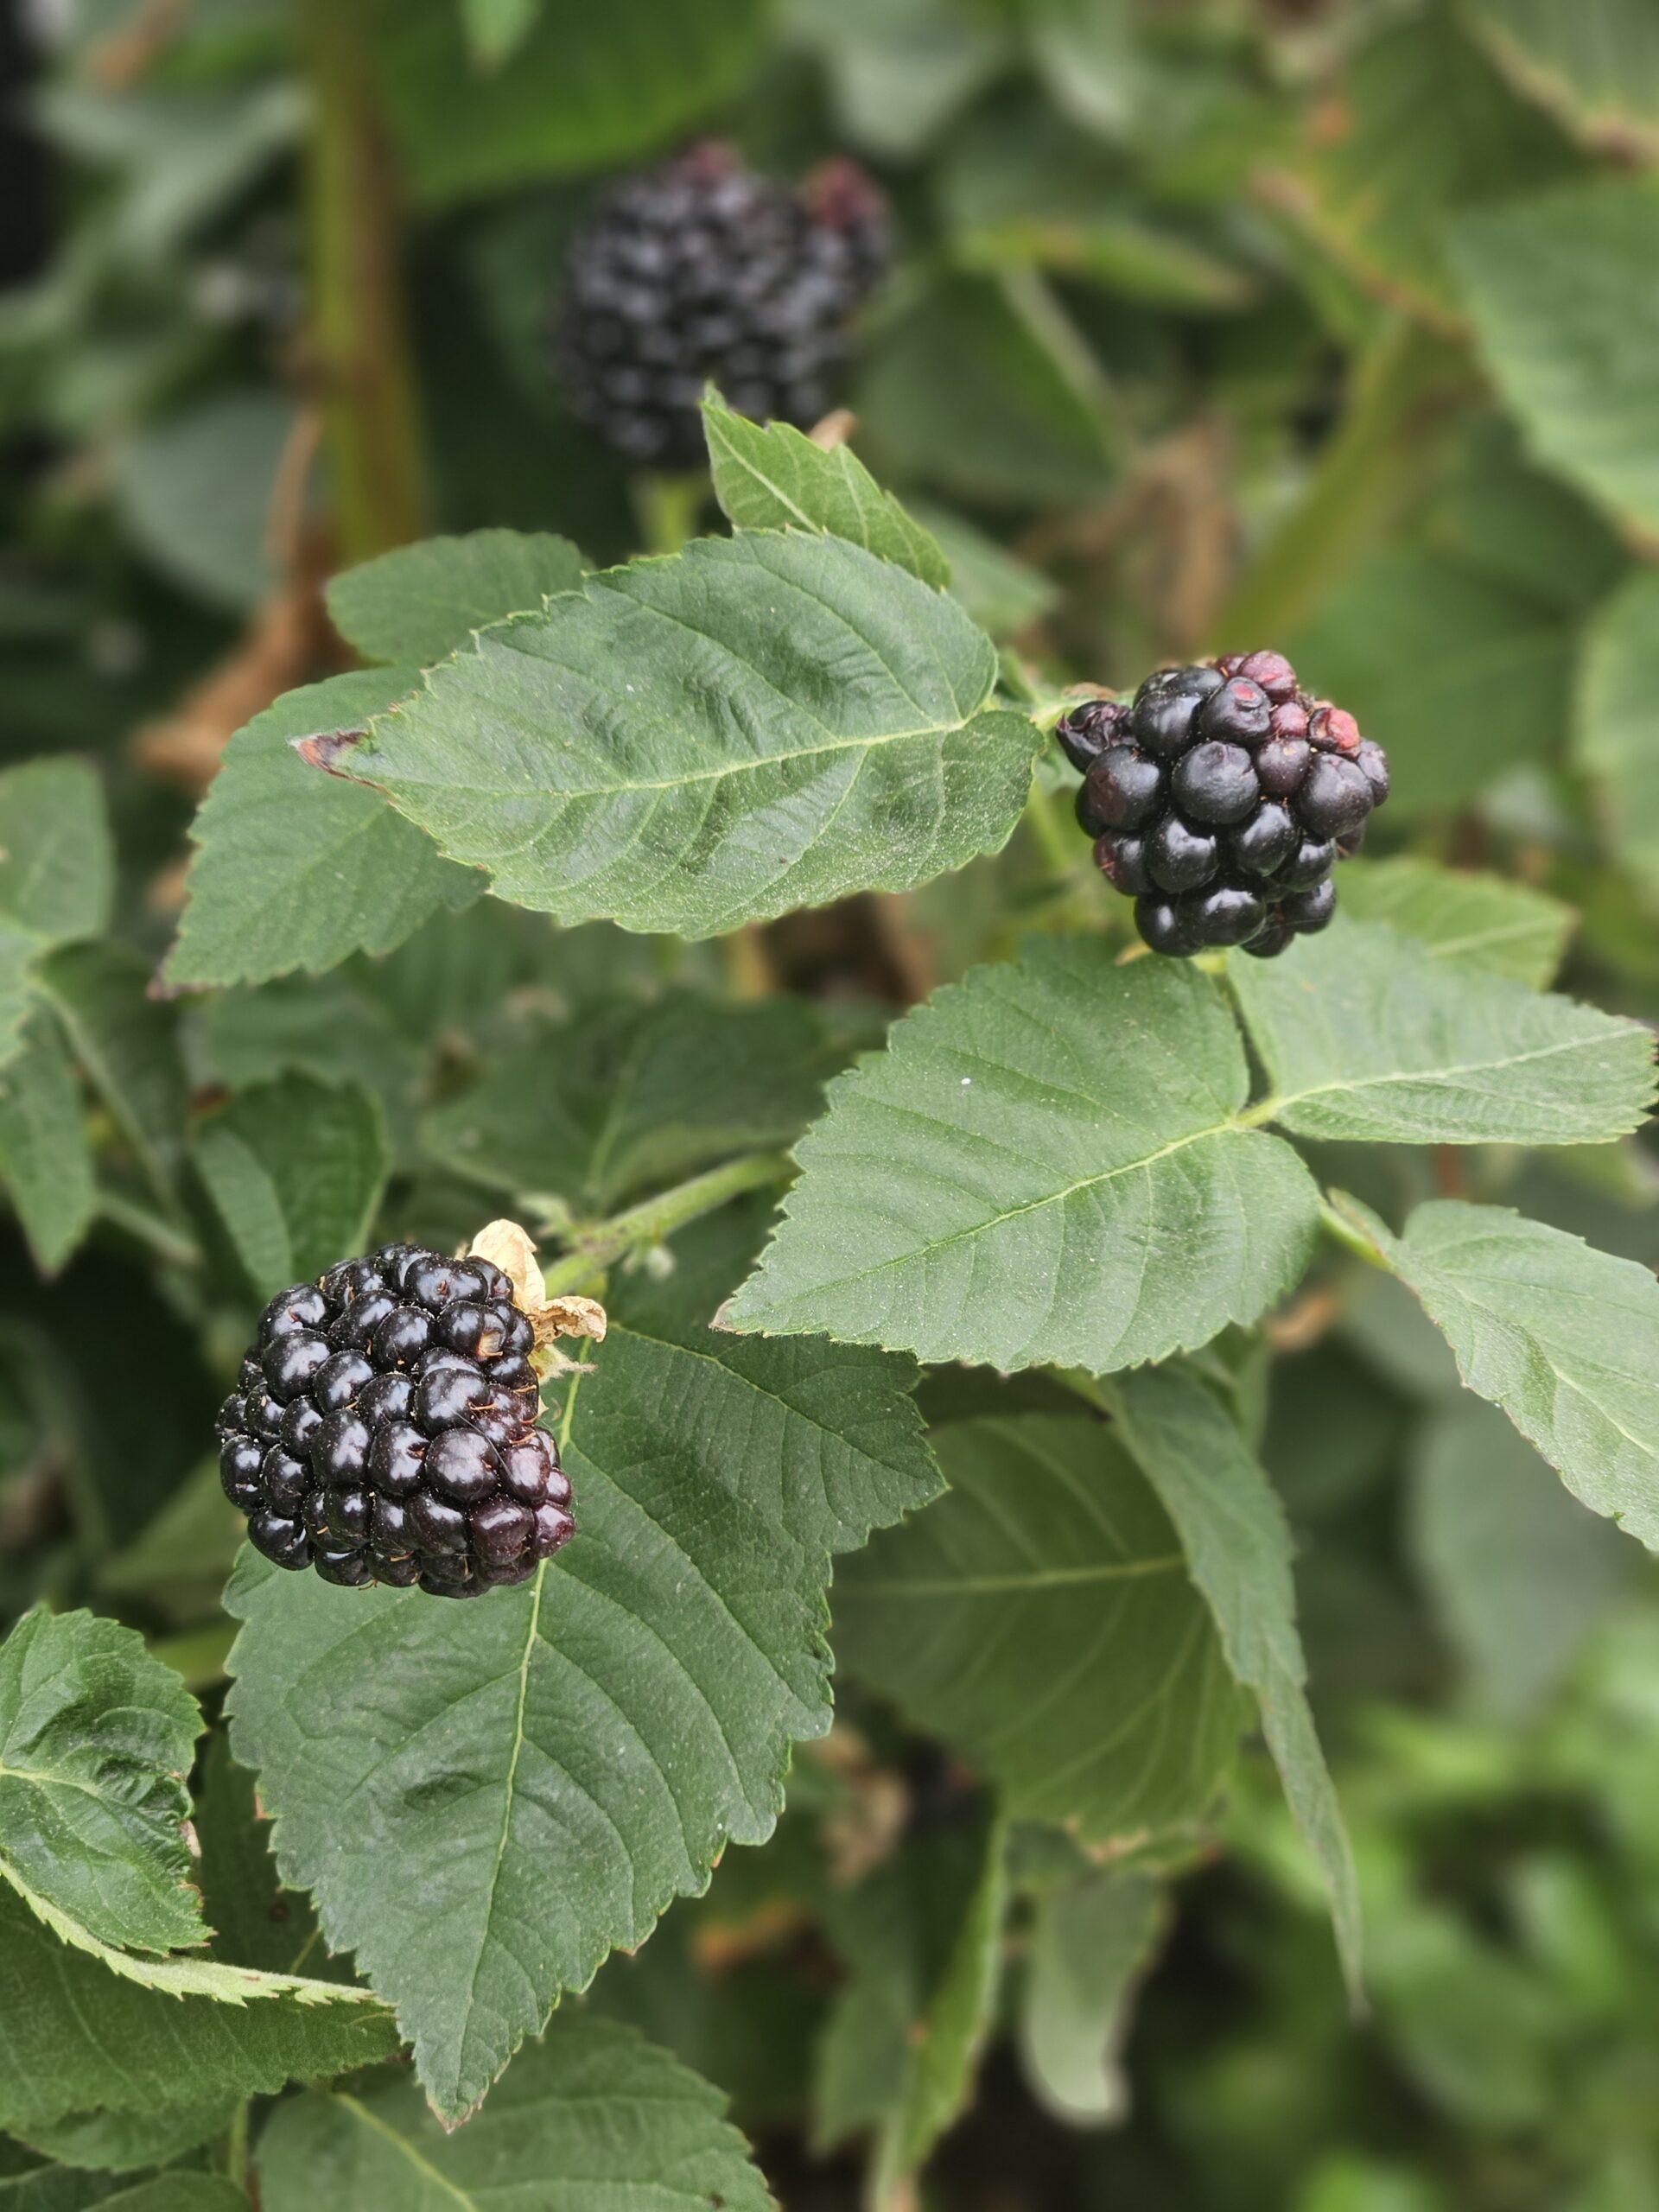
point(327, 749)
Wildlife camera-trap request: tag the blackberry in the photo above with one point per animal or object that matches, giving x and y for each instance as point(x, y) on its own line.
point(1220, 798)
point(384, 1429)
point(699, 272)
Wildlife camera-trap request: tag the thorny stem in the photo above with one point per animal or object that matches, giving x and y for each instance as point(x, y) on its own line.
point(595, 1245)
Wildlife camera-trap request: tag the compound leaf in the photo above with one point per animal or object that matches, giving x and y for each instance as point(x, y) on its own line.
point(760, 723)
point(527, 1781)
point(1047, 1164)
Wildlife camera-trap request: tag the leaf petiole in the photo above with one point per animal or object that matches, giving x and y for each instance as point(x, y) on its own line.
point(595, 1245)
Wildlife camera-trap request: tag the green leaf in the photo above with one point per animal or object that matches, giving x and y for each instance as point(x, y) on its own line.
point(1388, 175)
point(258, 1923)
point(174, 2040)
point(497, 29)
point(295, 1169)
point(1615, 723)
point(942, 2046)
point(984, 387)
point(1564, 1337)
point(1595, 66)
point(761, 722)
point(96, 1738)
point(297, 870)
point(1365, 1035)
point(1001, 592)
point(592, 2116)
point(194, 492)
point(128, 1045)
point(1519, 1573)
point(1041, 1619)
point(585, 90)
point(899, 69)
point(1238, 1553)
point(1047, 1163)
point(535, 1776)
point(1558, 287)
point(180, 1557)
point(57, 865)
point(770, 477)
point(1479, 921)
point(595, 1111)
point(68, 2189)
point(1459, 675)
point(922, 1939)
point(1090, 1942)
point(57, 870)
point(416, 604)
point(46, 1160)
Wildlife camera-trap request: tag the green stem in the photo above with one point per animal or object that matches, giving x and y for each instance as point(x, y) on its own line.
point(595, 1245)
point(669, 508)
point(358, 325)
point(1408, 393)
point(236, 2156)
point(168, 1244)
point(1343, 1231)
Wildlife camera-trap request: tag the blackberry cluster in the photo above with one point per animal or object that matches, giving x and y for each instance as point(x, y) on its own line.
point(383, 1429)
point(1220, 798)
point(701, 272)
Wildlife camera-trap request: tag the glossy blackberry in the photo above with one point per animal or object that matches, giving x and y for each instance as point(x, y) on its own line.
point(1220, 798)
point(699, 272)
point(384, 1429)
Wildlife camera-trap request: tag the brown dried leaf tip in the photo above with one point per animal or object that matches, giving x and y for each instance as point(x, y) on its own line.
point(512, 1250)
point(327, 749)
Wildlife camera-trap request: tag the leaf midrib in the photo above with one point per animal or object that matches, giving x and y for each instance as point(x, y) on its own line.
point(1243, 1122)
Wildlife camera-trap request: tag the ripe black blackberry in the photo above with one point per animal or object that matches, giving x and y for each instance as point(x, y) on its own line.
point(703, 272)
point(384, 1428)
point(1220, 798)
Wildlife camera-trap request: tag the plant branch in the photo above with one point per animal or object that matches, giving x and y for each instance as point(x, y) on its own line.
point(358, 325)
point(595, 1245)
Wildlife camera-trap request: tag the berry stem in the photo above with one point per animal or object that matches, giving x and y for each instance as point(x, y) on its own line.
point(595, 1245)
